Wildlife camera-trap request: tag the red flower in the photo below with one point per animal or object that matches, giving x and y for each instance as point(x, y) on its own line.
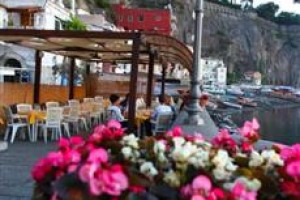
point(225, 141)
point(291, 189)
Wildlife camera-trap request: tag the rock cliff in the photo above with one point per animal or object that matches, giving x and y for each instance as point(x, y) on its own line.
point(245, 42)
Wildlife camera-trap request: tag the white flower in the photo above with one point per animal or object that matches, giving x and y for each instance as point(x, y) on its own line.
point(127, 152)
point(221, 159)
point(178, 141)
point(183, 153)
point(148, 169)
point(221, 174)
point(200, 159)
point(159, 147)
point(272, 158)
point(256, 159)
point(172, 178)
point(230, 167)
point(131, 140)
point(162, 158)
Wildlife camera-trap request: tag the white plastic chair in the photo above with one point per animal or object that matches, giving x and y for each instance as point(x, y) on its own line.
point(74, 102)
point(75, 118)
point(162, 123)
point(14, 126)
point(97, 112)
point(140, 103)
point(88, 100)
point(52, 104)
point(99, 99)
point(24, 108)
point(54, 121)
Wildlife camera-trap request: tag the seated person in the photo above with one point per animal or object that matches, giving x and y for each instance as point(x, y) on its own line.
point(161, 108)
point(114, 111)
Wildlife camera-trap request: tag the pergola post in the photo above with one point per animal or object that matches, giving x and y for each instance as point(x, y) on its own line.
point(37, 77)
point(150, 80)
point(133, 81)
point(88, 69)
point(71, 78)
point(163, 79)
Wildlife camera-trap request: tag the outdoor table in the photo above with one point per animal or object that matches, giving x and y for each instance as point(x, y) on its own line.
point(141, 117)
point(33, 117)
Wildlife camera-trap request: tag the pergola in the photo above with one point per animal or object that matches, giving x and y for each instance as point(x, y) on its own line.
point(124, 47)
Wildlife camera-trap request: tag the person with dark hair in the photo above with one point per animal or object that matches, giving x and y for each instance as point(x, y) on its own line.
point(161, 108)
point(124, 104)
point(114, 111)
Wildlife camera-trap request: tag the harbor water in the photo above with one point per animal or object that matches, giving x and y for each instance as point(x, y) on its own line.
point(278, 124)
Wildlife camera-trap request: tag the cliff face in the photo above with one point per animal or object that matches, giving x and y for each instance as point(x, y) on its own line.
point(246, 42)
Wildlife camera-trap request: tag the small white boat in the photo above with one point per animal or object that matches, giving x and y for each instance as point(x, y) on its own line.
point(232, 105)
point(235, 91)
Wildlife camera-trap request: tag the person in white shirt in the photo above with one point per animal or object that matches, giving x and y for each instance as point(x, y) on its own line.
point(114, 111)
point(161, 108)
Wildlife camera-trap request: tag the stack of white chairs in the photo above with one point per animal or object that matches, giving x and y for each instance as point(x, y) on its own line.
point(99, 99)
point(75, 117)
point(52, 104)
point(97, 112)
point(54, 121)
point(88, 100)
point(140, 104)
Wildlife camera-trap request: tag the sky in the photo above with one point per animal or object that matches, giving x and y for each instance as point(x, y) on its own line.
point(285, 5)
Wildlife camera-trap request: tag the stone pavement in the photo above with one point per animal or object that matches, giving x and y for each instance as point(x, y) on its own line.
point(15, 167)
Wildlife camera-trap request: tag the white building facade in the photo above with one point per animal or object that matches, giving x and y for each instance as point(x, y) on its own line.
point(213, 72)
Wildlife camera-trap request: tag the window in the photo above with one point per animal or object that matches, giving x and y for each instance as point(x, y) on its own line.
point(141, 18)
point(130, 18)
point(58, 24)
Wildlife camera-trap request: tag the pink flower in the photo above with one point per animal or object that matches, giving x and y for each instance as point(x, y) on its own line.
point(239, 192)
point(201, 183)
point(114, 124)
point(71, 157)
point(176, 132)
point(76, 141)
point(186, 191)
point(87, 172)
point(98, 156)
point(290, 153)
point(63, 143)
point(197, 197)
point(250, 130)
point(41, 169)
point(115, 181)
point(293, 169)
point(56, 159)
point(111, 181)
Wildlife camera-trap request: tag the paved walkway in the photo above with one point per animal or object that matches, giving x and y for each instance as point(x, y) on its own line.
point(15, 168)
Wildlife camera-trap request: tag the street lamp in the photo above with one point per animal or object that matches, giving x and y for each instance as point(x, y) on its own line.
point(194, 119)
point(193, 108)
